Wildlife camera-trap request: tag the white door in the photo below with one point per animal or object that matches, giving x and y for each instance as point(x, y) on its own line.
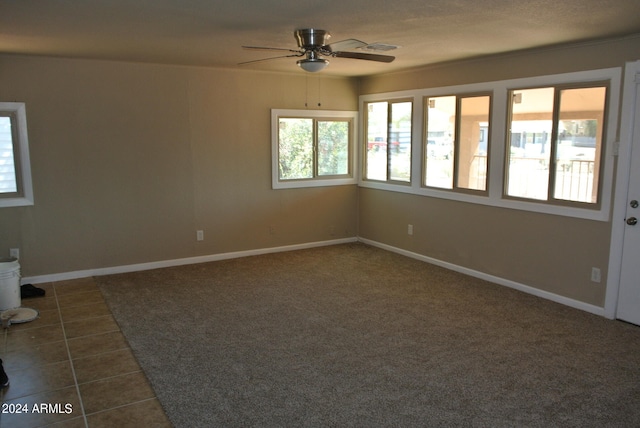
point(629, 290)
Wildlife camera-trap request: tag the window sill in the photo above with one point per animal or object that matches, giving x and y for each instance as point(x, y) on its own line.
point(299, 184)
point(16, 202)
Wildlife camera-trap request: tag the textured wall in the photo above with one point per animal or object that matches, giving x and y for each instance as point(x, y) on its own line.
point(548, 252)
point(129, 160)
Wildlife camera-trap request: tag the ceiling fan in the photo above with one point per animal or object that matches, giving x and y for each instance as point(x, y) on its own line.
point(312, 44)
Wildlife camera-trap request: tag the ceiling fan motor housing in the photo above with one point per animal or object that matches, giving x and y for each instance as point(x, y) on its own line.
point(308, 38)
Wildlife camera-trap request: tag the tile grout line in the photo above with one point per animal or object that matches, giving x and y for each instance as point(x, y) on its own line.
point(57, 300)
point(73, 370)
point(112, 351)
point(110, 378)
point(122, 406)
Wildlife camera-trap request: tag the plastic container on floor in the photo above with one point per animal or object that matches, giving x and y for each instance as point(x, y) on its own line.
point(9, 283)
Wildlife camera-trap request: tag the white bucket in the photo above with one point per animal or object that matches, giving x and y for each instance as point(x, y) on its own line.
point(9, 283)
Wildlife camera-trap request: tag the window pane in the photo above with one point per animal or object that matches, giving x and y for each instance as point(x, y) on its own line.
point(400, 145)
point(377, 116)
point(579, 144)
point(529, 148)
point(333, 148)
point(472, 142)
point(295, 148)
point(8, 182)
point(441, 122)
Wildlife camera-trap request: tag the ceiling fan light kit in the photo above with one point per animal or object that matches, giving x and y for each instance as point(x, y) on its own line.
point(313, 65)
point(312, 44)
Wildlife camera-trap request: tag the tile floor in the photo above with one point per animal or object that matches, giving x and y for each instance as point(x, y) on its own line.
point(75, 361)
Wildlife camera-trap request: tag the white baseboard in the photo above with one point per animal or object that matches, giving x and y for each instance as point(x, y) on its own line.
point(491, 278)
point(177, 262)
point(237, 254)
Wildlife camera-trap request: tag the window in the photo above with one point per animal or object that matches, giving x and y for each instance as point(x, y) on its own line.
point(15, 170)
point(543, 144)
point(555, 143)
point(456, 142)
point(312, 148)
point(388, 141)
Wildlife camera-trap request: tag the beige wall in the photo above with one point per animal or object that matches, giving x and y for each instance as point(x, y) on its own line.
point(129, 160)
point(552, 253)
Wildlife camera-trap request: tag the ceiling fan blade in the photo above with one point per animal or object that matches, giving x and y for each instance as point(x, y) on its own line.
point(365, 56)
point(263, 48)
point(345, 45)
point(298, 54)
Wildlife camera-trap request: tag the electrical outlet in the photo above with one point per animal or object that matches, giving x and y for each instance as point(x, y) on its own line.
point(596, 274)
point(410, 229)
point(14, 252)
point(200, 235)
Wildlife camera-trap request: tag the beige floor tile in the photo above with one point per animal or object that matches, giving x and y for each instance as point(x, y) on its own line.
point(147, 413)
point(74, 322)
point(105, 365)
point(74, 286)
point(77, 313)
point(98, 325)
point(45, 317)
point(80, 299)
point(78, 422)
point(113, 392)
point(34, 356)
point(96, 344)
point(39, 379)
point(59, 405)
point(19, 338)
point(48, 302)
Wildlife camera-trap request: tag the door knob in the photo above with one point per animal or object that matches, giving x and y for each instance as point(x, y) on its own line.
point(632, 221)
point(634, 204)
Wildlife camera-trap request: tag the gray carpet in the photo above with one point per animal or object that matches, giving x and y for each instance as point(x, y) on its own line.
point(354, 336)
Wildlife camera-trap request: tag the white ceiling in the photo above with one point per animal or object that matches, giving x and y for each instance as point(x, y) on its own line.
point(212, 32)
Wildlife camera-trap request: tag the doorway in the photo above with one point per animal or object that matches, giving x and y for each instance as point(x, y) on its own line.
point(623, 292)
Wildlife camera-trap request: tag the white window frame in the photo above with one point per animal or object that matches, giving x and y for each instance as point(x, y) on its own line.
point(499, 112)
point(351, 178)
point(25, 195)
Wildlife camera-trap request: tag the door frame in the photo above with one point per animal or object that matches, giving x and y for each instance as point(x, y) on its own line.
point(631, 84)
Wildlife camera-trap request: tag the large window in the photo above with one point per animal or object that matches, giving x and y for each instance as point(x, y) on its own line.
point(555, 143)
point(15, 171)
point(312, 148)
point(456, 142)
point(545, 144)
point(388, 141)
